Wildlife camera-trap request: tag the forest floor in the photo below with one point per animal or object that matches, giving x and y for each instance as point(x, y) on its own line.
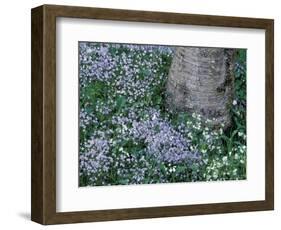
point(127, 136)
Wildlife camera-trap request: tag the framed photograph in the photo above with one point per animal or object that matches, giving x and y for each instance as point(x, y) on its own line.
point(139, 114)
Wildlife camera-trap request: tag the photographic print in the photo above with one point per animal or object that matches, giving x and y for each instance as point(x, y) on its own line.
point(183, 106)
point(153, 114)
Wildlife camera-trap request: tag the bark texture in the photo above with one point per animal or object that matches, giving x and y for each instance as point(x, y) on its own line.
point(201, 80)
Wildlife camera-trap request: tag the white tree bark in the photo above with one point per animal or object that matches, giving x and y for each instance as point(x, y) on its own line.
point(201, 80)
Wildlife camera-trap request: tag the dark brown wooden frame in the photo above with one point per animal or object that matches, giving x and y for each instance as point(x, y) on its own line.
point(43, 170)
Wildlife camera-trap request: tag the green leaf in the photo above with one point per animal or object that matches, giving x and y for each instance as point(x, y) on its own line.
point(120, 102)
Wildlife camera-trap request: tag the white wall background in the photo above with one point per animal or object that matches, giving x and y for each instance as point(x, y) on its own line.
point(15, 113)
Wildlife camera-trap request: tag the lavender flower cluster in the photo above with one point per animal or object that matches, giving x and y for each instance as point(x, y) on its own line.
point(162, 140)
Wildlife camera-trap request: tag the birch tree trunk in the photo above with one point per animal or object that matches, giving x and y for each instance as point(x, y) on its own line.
point(201, 80)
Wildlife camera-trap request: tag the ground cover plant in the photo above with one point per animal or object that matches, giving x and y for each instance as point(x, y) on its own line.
point(128, 134)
